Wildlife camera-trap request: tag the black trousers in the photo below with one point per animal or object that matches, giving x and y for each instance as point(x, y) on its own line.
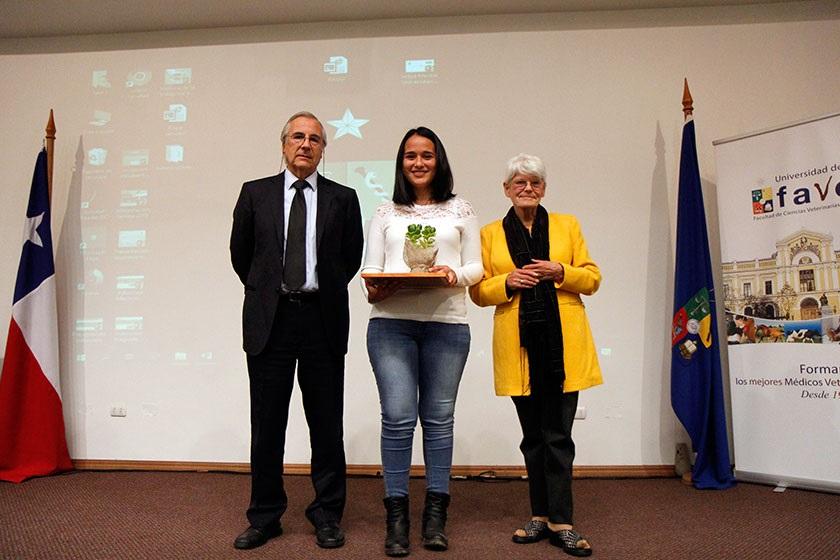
point(546, 418)
point(297, 338)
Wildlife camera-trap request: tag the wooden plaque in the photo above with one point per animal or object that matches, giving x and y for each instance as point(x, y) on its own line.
point(411, 279)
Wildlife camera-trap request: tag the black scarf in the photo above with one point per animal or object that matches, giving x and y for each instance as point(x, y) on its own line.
point(540, 331)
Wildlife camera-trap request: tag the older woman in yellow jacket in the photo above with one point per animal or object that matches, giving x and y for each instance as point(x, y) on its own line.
point(536, 266)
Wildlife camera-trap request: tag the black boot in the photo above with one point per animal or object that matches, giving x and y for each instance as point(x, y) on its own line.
point(396, 526)
point(434, 521)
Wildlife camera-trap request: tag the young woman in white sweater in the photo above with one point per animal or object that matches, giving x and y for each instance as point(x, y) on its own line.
point(418, 339)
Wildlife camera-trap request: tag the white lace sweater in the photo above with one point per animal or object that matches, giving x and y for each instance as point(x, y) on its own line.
point(459, 247)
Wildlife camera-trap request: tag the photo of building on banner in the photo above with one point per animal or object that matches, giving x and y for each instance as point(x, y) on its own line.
point(789, 295)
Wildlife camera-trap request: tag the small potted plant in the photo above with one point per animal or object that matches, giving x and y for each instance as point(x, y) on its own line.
point(419, 251)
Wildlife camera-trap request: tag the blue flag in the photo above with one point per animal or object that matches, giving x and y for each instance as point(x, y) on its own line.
point(696, 386)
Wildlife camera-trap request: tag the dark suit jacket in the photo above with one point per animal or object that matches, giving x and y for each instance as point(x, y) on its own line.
point(256, 251)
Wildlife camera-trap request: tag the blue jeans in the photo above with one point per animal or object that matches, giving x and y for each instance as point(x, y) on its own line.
point(418, 367)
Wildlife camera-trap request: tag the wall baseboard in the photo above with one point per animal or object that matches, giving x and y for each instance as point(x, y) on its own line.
point(481, 471)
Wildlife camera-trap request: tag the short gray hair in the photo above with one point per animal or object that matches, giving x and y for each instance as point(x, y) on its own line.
point(525, 164)
point(299, 114)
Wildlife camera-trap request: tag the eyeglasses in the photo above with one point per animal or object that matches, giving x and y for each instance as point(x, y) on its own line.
point(299, 138)
point(521, 184)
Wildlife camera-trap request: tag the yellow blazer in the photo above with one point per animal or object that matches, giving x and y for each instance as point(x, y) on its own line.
point(581, 276)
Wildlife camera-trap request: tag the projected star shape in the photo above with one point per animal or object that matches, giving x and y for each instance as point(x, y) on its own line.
point(31, 230)
point(348, 124)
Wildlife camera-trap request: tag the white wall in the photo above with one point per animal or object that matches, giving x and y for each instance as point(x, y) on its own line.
point(598, 97)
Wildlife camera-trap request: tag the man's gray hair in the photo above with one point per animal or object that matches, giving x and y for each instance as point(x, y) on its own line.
point(525, 164)
point(308, 115)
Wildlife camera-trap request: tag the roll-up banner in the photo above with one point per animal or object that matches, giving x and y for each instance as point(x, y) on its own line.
point(779, 209)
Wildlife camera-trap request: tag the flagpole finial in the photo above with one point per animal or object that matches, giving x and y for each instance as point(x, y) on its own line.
point(49, 144)
point(50, 130)
point(687, 101)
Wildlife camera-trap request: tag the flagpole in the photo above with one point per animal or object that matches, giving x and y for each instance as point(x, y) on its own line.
point(688, 102)
point(688, 111)
point(49, 144)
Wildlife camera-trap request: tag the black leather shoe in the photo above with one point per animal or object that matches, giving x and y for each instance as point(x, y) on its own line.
point(253, 537)
point(329, 535)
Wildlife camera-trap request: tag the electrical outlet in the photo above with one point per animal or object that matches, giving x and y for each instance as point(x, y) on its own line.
point(118, 410)
point(580, 413)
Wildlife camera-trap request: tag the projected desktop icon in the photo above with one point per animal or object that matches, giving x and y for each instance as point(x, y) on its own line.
point(86, 204)
point(97, 156)
point(99, 79)
point(174, 153)
point(135, 158)
point(132, 282)
point(336, 65)
point(93, 240)
point(138, 78)
point(177, 113)
point(419, 66)
point(93, 279)
point(89, 325)
point(132, 198)
point(100, 118)
point(128, 323)
point(177, 76)
point(131, 238)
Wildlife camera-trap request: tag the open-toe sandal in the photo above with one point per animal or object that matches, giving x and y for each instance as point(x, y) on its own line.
point(569, 540)
point(535, 531)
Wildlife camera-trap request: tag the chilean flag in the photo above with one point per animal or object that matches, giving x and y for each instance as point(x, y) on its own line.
point(32, 439)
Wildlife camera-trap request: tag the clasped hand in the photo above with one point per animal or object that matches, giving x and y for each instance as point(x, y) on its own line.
point(531, 274)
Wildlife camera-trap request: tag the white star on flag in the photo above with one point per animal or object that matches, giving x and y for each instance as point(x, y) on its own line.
point(30, 230)
point(348, 124)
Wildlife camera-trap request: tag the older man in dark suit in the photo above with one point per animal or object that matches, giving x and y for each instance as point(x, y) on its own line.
point(296, 244)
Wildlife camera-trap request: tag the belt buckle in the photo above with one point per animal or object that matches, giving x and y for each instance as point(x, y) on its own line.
point(299, 298)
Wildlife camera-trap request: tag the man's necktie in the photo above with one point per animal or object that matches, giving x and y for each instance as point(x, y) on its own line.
point(294, 268)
